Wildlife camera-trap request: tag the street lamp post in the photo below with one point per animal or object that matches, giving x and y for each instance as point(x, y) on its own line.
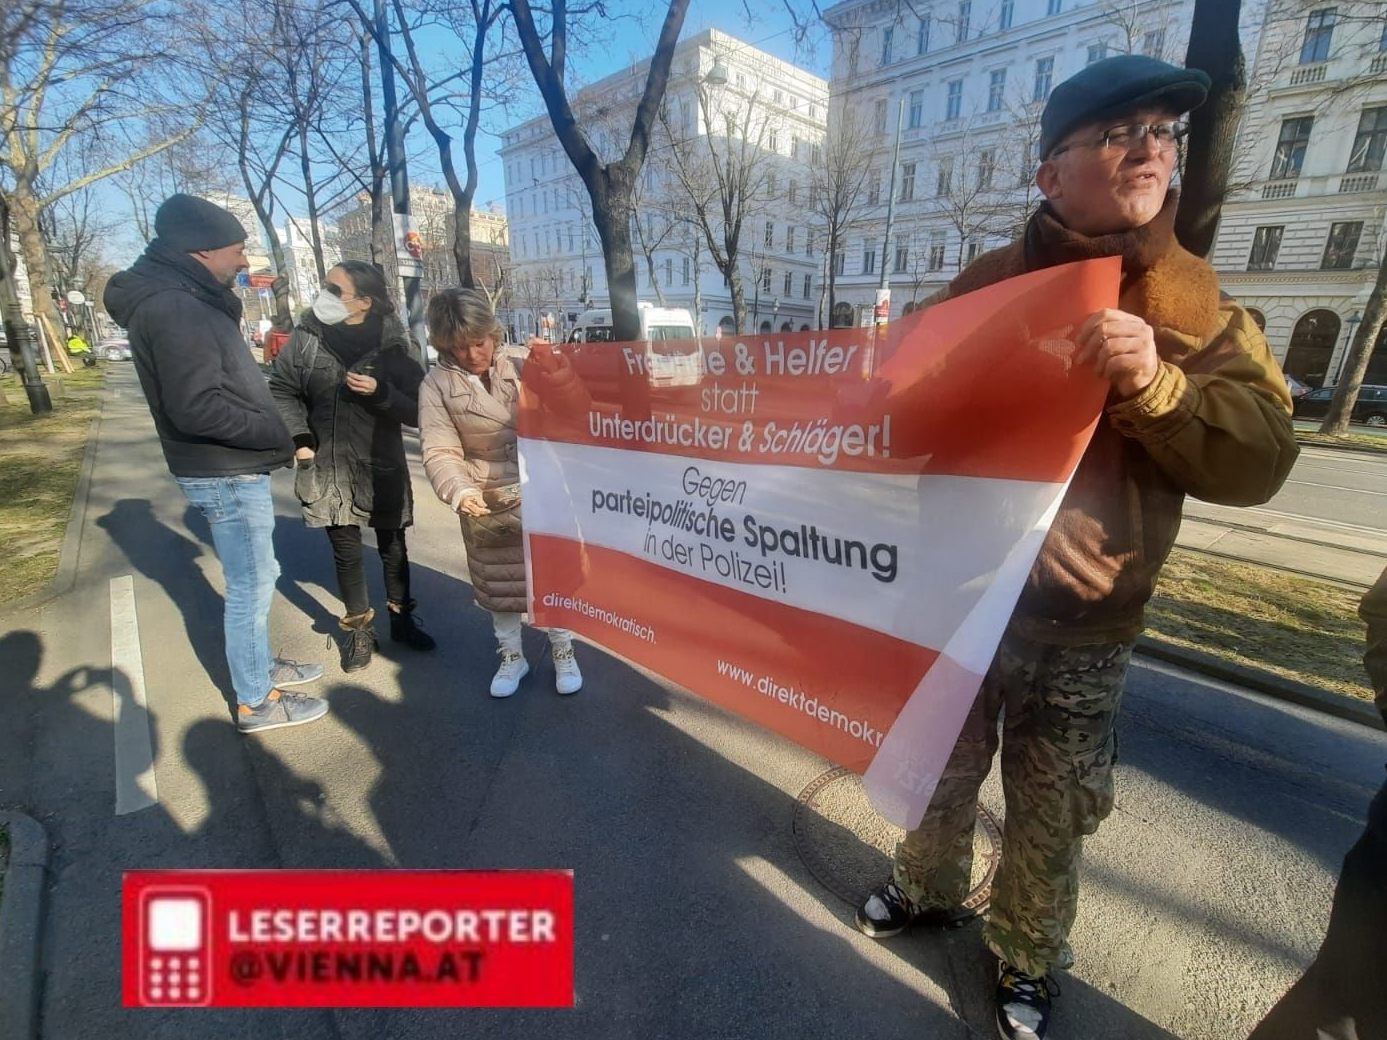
point(884, 286)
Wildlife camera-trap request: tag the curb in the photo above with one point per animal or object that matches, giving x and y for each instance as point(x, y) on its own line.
point(1269, 683)
point(1359, 449)
point(20, 927)
point(66, 576)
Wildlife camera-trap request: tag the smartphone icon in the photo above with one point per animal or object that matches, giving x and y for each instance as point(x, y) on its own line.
point(177, 947)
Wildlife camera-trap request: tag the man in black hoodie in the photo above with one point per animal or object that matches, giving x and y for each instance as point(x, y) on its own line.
point(220, 431)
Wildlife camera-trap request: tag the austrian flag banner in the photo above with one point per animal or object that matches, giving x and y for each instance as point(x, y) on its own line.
point(825, 532)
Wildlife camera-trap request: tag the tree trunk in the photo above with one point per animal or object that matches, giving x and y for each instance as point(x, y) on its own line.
point(380, 242)
point(734, 283)
point(1214, 48)
point(1355, 366)
point(310, 194)
point(284, 315)
point(697, 285)
point(24, 210)
point(611, 213)
point(832, 277)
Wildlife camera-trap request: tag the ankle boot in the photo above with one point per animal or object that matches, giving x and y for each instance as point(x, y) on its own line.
point(405, 627)
point(360, 640)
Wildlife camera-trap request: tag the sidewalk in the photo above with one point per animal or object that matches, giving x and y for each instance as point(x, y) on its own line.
point(1346, 553)
point(697, 914)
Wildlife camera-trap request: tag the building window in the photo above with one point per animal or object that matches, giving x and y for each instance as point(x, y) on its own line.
point(1053, 7)
point(974, 248)
point(1044, 76)
point(869, 259)
point(1341, 245)
point(936, 251)
point(996, 87)
point(789, 282)
point(887, 37)
point(902, 255)
point(917, 108)
point(922, 34)
point(907, 182)
point(965, 17)
point(765, 279)
point(874, 188)
point(953, 106)
point(770, 184)
point(770, 233)
point(772, 141)
point(1290, 147)
point(945, 185)
point(879, 114)
point(816, 154)
point(794, 147)
point(1007, 13)
point(790, 239)
point(1097, 52)
point(779, 97)
point(686, 270)
point(1370, 142)
point(809, 242)
point(1266, 243)
point(794, 193)
point(987, 166)
point(807, 282)
point(570, 241)
point(1319, 32)
point(1153, 43)
point(669, 272)
point(685, 116)
point(840, 263)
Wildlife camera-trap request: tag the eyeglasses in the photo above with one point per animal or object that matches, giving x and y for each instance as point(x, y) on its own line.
point(336, 290)
point(1127, 136)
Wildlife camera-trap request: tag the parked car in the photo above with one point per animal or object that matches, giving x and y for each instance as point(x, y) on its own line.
point(114, 349)
point(1371, 408)
point(1297, 388)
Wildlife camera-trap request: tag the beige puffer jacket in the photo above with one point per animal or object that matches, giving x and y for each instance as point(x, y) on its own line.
point(468, 439)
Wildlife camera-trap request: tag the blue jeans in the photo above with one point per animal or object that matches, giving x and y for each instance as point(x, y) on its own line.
point(241, 514)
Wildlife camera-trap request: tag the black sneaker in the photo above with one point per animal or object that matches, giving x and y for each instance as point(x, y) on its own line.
point(1023, 1003)
point(279, 710)
point(889, 911)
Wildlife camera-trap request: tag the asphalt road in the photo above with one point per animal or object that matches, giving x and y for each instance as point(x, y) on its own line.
point(1203, 896)
point(1345, 487)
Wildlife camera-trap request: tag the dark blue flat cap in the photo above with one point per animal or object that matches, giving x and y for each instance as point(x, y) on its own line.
point(1114, 86)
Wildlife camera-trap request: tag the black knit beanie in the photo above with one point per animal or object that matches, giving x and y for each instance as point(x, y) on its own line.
point(190, 224)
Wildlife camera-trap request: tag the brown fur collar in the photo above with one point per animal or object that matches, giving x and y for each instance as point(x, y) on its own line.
point(1178, 290)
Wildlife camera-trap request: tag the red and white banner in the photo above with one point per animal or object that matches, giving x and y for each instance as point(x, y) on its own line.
point(347, 938)
point(825, 532)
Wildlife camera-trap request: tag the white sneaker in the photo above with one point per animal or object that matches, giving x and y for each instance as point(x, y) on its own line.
point(513, 668)
point(567, 677)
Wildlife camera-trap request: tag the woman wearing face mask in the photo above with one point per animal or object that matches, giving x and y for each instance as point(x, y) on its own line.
point(344, 384)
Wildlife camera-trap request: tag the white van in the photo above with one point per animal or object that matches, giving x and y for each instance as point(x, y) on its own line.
point(673, 354)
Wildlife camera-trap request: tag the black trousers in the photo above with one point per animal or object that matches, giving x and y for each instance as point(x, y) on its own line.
point(351, 575)
point(1341, 995)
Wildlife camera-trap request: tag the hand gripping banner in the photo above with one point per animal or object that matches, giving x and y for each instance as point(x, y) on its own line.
point(825, 532)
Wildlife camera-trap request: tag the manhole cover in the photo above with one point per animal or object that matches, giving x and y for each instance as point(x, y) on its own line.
point(848, 847)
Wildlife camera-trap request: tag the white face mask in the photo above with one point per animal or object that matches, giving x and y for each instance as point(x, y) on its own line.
point(329, 309)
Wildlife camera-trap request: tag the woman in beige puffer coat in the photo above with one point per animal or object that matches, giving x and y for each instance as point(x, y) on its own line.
point(467, 413)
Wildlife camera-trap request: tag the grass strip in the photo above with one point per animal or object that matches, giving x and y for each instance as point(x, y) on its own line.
point(40, 461)
point(1297, 627)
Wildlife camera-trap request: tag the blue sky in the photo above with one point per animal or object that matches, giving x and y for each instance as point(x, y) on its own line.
point(768, 27)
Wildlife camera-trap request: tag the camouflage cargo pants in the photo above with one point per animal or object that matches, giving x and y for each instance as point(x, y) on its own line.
point(1058, 706)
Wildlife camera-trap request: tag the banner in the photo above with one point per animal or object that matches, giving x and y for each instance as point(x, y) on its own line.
point(825, 532)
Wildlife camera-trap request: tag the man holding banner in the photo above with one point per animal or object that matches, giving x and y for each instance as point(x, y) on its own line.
point(1197, 405)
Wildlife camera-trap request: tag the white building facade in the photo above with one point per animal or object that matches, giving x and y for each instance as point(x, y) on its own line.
point(556, 258)
point(1302, 234)
point(967, 80)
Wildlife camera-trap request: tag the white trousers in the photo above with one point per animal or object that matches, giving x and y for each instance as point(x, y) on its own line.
point(507, 629)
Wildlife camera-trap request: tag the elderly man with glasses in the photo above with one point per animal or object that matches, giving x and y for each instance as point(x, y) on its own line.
point(1198, 406)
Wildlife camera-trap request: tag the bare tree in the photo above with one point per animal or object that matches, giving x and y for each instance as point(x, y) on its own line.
point(609, 184)
point(723, 173)
point(842, 184)
point(72, 73)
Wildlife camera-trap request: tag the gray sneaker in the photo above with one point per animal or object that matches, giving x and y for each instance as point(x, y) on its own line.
point(293, 673)
point(279, 710)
